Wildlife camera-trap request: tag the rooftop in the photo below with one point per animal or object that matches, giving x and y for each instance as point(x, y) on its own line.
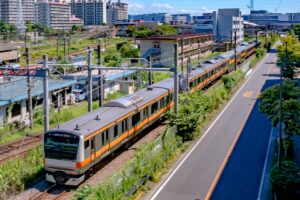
point(176, 37)
point(7, 47)
point(16, 90)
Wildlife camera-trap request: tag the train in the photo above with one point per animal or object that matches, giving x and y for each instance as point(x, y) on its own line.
point(72, 151)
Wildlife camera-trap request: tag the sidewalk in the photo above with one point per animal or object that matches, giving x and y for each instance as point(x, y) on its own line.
point(265, 184)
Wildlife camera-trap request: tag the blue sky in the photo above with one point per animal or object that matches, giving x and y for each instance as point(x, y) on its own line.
point(196, 7)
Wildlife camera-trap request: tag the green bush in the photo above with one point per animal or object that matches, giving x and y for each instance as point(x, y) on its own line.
point(16, 174)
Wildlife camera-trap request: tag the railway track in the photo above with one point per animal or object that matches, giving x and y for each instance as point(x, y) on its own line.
point(19, 148)
point(54, 192)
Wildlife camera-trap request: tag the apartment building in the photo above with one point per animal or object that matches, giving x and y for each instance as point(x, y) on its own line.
point(161, 48)
point(116, 11)
point(230, 22)
point(207, 23)
point(92, 12)
point(54, 15)
point(9, 10)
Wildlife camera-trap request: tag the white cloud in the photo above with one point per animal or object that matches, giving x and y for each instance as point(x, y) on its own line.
point(162, 6)
point(135, 7)
point(204, 9)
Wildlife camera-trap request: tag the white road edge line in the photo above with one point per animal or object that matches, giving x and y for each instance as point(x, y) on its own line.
point(265, 166)
point(203, 136)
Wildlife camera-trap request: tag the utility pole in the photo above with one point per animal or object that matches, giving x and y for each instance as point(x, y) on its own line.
point(182, 54)
point(65, 45)
point(46, 93)
point(29, 86)
point(100, 91)
point(57, 45)
point(199, 53)
point(90, 81)
point(176, 79)
point(280, 106)
point(235, 51)
point(149, 73)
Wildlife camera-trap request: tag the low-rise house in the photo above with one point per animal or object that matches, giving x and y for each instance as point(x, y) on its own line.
point(161, 48)
point(9, 53)
point(14, 97)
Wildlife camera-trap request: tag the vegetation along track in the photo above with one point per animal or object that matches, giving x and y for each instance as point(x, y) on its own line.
point(19, 148)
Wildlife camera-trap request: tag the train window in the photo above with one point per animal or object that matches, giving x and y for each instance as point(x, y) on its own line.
point(86, 144)
point(146, 112)
point(103, 139)
point(93, 143)
point(191, 84)
point(168, 99)
point(154, 107)
point(107, 136)
point(116, 131)
point(124, 126)
point(162, 103)
point(136, 119)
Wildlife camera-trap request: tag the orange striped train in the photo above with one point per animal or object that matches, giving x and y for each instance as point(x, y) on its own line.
point(72, 151)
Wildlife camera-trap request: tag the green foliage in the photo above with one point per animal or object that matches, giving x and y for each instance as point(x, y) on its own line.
point(289, 55)
point(74, 28)
point(260, 52)
point(296, 29)
point(165, 30)
point(288, 177)
point(127, 51)
point(16, 174)
point(115, 95)
point(195, 108)
point(231, 79)
point(270, 105)
point(112, 58)
point(7, 28)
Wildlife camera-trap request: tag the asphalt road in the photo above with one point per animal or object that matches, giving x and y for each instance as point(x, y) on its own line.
point(197, 174)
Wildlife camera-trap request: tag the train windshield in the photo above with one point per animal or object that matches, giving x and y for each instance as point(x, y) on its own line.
point(61, 146)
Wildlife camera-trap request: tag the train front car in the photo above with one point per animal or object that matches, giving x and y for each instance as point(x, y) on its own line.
point(61, 153)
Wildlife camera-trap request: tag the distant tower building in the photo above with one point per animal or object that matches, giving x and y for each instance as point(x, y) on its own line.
point(116, 11)
point(230, 21)
point(9, 11)
point(20, 20)
point(92, 12)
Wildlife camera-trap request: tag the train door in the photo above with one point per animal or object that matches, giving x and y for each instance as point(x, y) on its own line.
point(105, 141)
point(93, 148)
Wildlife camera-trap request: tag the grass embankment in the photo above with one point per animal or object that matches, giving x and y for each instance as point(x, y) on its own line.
point(191, 118)
point(16, 174)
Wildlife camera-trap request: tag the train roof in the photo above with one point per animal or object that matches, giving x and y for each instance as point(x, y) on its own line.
point(115, 109)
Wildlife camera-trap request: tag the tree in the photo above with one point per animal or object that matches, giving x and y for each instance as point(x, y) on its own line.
point(286, 178)
point(112, 59)
point(270, 105)
point(74, 28)
point(165, 30)
point(296, 29)
point(128, 51)
point(28, 25)
point(289, 55)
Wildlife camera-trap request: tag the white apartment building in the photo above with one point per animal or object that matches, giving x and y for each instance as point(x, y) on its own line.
point(92, 12)
point(116, 11)
point(54, 15)
point(230, 21)
point(9, 9)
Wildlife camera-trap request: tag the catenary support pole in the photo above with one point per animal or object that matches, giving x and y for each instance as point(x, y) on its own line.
point(176, 79)
point(235, 51)
point(29, 88)
point(149, 73)
point(100, 90)
point(90, 81)
point(46, 93)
